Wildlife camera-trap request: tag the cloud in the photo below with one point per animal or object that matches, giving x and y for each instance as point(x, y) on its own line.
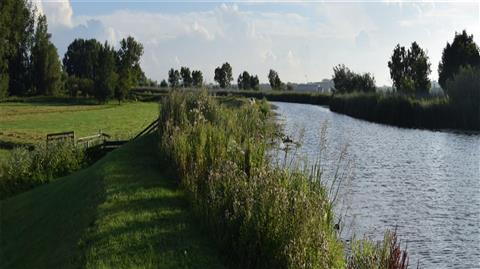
point(298, 40)
point(58, 12)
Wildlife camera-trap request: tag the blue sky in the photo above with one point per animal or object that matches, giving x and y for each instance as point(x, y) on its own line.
point(302, 40)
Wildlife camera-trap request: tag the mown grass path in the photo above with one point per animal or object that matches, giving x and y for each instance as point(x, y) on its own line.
point(122, 212)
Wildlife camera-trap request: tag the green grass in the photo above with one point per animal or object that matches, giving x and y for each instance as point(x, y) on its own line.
point(29, 122)
point(122, 212)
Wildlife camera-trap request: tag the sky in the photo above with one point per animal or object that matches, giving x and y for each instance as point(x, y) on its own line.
point(301, 40)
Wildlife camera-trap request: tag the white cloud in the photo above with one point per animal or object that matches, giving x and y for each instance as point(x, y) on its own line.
point(58, 12)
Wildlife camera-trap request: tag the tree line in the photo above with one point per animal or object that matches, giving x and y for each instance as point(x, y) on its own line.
point(30, 64)
point(410, 68)
point(223, 75)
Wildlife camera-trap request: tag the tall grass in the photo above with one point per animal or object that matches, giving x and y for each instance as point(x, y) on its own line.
point(25, 169)
point(261, 216)
point(404, 111)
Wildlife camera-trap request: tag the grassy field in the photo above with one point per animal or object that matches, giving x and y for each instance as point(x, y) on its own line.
point(30, 122)
point(122, 212)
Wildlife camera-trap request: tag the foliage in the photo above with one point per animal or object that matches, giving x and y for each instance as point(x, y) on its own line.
point(274, 80)
point(26, 169)
point(18, 21)
point(121, 212)
point(81, 57)
point(197, 78)
point(223, 75)
point(173, 78)
point(46, 69)
point(383, 255)
point(79, 86)
point(463, 51)
point(262, 217)
point(105, 75)
point(464, 93)
point(128, 67)
point(347, 81)
point(404, 111)
point(246, 81)
point(186, 77)
point(163, 84)
point(408, 66)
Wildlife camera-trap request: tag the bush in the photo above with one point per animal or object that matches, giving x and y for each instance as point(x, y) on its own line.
point(464, 88)
point(26, 169)
point(261, 216)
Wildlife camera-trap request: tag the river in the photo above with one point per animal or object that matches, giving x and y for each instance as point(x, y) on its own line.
point(425, 183)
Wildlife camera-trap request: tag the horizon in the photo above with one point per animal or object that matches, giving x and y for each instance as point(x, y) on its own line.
point(303, 41)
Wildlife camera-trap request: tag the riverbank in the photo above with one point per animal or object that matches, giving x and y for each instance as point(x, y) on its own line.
point(124, 211)
point(396, 110)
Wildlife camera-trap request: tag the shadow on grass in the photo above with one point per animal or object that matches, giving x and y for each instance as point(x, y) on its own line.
point(144, 220)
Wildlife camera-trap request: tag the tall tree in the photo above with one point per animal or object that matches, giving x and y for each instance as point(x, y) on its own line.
point(197, 78)
point(130, 72)
point(398, 66)
point(173, 78)
point(163, 84)
point(81, 58)
point(274, 79)
point(18, 21)
point(419, 68)
point(223, 75)
point(463, 51)
point(409, 69)
point(186, 77)
point(254, 83)
point(243, 80)
point(46, 70)
point(105, 75)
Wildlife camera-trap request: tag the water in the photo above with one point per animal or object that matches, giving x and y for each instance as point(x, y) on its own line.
point(426, 183)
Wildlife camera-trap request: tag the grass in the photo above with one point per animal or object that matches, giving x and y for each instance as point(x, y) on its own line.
point(261, 216)
point(29, 122)
point(122, 212)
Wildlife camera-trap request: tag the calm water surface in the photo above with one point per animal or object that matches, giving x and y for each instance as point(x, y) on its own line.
point(427, 183)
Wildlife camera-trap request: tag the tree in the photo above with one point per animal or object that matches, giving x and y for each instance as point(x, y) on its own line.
point(410, 65)
point(254, 83)
point(105, 75)
point(243, 80)
point(398, 66)
point(81, 58)
point(186, 77)
point(173, 78)
point(464, 87)
point(46, 70)
point(274, 79)
point(223, 75)
point(197, 78)
point(17, 20)
point(128, 66)
point(129, 56)
point(347, 81)
point(463, 51)
point(163, 84)
point(419, 68)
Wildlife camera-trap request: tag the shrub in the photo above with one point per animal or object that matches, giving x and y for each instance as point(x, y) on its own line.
point(26, 169)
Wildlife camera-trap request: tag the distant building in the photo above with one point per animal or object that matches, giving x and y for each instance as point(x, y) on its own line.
point(323, 86)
